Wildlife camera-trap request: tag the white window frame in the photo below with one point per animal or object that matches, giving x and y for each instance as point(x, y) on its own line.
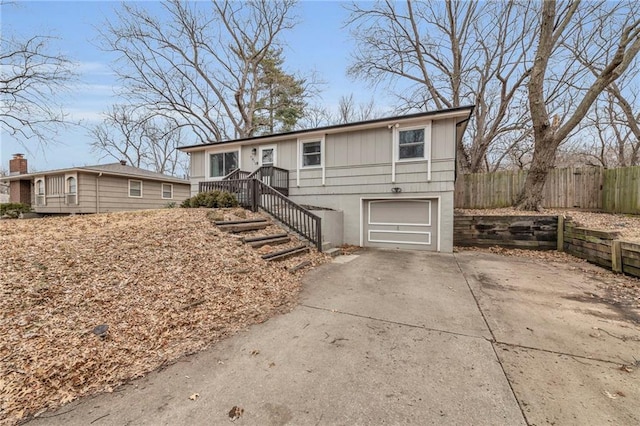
point(207, 162)
point(321, 166)
point(396, 149)
point(41, 198)
point(67, 192)
point(275, 154)
point(141, 188)
point(162, 191)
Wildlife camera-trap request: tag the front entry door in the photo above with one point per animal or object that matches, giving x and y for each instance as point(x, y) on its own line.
point(268, 156)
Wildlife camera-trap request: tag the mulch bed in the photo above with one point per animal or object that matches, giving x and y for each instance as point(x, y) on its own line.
point(90, 302)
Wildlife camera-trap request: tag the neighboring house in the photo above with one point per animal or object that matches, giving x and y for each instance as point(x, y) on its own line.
point(4, 193)
point(93, 189)
point(392, 178)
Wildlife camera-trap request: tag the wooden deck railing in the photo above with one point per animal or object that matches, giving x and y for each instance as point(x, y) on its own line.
point(254, 194)
point(275, 177)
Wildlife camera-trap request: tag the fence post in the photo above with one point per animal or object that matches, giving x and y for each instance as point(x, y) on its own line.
point(255, 197)
point(616, 256)
point(560, 231)
point(319, 234)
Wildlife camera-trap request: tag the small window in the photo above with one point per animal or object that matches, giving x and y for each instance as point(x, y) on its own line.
point(135, 188)
point(41, 199)
point(72, 185)
point(311, 154)
point(223, 163)
point(167, 191)
point(411, 144)
point(71, 195)
point(40, 187)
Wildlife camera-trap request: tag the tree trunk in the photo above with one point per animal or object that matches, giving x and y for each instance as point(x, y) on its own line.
point(530, 198)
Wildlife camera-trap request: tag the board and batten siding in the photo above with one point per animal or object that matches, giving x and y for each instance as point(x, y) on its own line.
point(358, 165)
point(360, 162)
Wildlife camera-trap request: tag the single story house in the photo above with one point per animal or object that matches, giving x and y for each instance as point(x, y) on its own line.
point(93, 189)
point(392, 178)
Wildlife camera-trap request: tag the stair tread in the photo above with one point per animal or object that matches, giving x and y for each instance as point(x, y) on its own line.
point(286, 252)
point(238, 222)
point(273, 242)
point(264, 237)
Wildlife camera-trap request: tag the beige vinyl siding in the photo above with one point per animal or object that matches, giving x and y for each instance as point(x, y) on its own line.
point(196, 170)
point(56, 199)
point(114, 196)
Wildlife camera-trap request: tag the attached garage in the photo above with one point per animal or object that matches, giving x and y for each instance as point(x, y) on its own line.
point(401, 223)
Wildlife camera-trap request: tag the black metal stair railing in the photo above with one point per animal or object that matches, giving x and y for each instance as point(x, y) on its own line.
point(252, 193)
point(289, 213)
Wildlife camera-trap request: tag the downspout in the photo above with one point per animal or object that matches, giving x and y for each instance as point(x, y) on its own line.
point(98, 192)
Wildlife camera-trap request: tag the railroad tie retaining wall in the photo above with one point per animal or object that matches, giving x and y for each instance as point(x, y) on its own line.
point(526, 232)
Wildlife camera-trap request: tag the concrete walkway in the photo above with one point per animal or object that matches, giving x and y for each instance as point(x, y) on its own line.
point(391, 337)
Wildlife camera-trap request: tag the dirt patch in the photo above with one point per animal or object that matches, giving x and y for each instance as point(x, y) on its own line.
point(627, 225)
point(90, 302)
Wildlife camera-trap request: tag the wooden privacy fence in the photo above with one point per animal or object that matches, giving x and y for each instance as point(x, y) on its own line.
point(592, 188)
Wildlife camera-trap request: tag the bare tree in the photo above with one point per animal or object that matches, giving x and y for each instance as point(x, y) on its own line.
point(202, 65)
point(436, 54)
point(32, 77)
point(141, 138)
point(568, 30)
point(350, 111)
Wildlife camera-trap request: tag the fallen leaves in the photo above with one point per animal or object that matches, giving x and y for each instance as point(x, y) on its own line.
point(90, 302)
point(194, 396)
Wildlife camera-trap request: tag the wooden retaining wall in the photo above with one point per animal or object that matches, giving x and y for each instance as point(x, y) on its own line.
point(526, 232)
point(539, 232)
point(594, 246)
point(630, 258)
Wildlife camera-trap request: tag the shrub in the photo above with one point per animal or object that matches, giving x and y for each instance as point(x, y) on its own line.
point(226, 199)
point(15, 208)
point(211, 199)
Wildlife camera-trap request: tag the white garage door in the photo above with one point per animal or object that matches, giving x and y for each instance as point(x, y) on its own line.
point(407, 224)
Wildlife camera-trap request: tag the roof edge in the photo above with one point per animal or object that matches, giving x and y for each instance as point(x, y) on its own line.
point(354, 125)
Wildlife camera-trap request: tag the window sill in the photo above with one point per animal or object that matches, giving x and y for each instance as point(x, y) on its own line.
point(412, 160)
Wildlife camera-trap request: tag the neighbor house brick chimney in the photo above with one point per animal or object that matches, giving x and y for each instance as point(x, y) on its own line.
point(19, 190)
point(18, 165)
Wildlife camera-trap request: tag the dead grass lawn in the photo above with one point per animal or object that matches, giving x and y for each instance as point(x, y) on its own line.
point(166, 282)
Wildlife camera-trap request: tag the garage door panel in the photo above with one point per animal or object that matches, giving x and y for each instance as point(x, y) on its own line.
point(414, 212)
point(409, 224)
point(400, 237)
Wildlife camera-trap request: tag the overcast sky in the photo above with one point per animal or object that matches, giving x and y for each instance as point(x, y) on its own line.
point(318, 43)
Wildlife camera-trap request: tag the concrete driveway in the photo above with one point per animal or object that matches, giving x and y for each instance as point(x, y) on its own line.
point(395, 337)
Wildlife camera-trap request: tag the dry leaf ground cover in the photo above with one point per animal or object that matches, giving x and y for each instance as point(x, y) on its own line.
point(166, 282)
